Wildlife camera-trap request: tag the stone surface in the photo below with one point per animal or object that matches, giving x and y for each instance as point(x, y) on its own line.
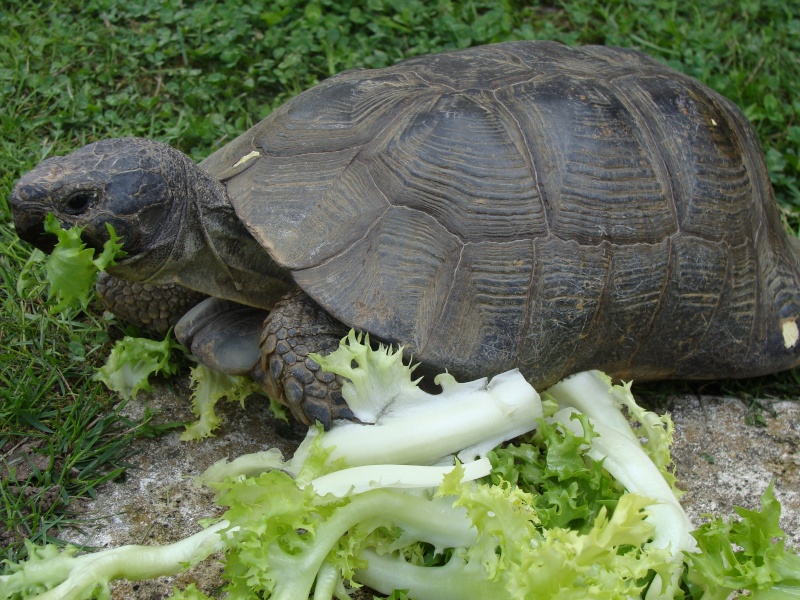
point(721, 462)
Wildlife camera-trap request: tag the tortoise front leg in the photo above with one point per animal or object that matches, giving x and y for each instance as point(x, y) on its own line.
point(295, 328)
point(152, 307)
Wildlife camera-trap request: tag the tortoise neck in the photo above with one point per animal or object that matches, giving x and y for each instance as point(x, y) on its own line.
point(205, 247)
point(794, 247)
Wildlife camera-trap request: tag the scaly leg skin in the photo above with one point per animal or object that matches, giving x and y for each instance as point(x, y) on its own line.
point(296, 327)
point(152, 307)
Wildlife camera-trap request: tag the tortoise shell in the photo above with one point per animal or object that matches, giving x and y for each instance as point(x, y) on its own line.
point(528, 205)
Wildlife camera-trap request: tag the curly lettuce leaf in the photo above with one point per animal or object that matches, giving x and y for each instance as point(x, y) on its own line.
point(190, 592)
point(568, 491)
point(608, 561)
point(36, 574)
point(745, 553)
point(131, 362)
point(210, 387)
point(280, 535)
point(72, 267)
point(374, 379)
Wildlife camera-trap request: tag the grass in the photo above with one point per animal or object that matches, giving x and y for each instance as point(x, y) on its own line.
point(196, 74)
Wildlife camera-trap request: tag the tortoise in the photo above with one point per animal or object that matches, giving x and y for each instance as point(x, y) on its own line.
point(519, 205)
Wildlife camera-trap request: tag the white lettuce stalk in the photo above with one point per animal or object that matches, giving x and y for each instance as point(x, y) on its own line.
point(403, 424)
point(624, 456)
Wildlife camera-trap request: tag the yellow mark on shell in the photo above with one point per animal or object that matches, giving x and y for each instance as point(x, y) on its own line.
point(790, 332)
point(244, 159)
point(714, 122)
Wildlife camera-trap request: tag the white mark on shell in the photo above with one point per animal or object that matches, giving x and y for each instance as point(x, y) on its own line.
point(790, 332)
point(244, 159)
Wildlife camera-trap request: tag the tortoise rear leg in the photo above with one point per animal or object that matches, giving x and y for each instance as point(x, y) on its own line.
point(296, 327)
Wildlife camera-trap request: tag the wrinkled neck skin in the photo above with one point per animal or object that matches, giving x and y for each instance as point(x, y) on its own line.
point(794, 245)
point(203, 246)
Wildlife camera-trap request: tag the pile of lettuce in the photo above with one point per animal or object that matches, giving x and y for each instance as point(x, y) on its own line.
point(485, 490)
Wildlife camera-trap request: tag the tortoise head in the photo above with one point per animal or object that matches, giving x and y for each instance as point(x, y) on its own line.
point(135, 185)
point(174, 219)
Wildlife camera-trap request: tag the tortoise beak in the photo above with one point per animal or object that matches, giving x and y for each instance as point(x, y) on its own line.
point(29, 216)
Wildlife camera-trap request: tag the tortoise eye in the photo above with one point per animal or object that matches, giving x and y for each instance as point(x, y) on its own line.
point(78, 202)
